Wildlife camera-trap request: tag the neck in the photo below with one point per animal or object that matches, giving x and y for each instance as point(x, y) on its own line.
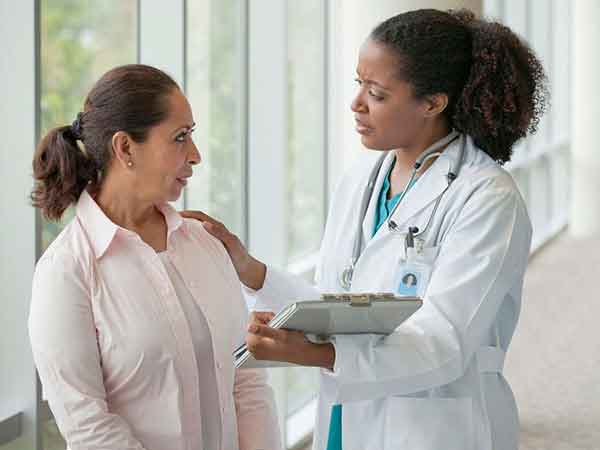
point(407, 156)
point(123, 207)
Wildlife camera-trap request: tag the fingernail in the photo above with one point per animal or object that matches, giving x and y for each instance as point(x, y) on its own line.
point(252, 328)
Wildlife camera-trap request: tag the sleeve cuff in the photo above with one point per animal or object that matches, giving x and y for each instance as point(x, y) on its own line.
point(272, 295)
point(279, 290)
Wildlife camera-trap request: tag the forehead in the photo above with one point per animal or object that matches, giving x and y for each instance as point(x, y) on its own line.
point(180, 112)
point(378, 63)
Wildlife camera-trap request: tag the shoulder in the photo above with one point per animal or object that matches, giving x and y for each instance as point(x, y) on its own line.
point(485, 189)
point(218, 256)
point(361, 166)
point(206, 240)
point(355, 178)
point(61, 284)
point(68, 255)
point(481, 173)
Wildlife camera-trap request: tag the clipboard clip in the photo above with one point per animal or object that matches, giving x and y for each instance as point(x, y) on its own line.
point(360, 299)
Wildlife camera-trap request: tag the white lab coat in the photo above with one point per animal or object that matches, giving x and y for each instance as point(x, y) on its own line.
point(436, 383)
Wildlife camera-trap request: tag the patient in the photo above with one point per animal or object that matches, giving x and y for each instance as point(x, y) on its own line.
point(135, 310)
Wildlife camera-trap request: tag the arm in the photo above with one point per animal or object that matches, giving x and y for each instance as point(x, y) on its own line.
point(484, 255)
point(256, 413)
point(280, 289)
point(65, 350)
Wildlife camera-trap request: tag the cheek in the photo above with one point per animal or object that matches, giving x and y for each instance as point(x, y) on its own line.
point(171, 162)
point(399, 121)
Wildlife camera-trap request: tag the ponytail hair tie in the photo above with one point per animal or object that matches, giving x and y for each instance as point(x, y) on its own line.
point(76, 127)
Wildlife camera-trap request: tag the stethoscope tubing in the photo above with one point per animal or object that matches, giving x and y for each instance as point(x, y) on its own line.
point(431, 152)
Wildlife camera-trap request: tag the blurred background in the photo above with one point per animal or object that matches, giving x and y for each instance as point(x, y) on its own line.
point(270, 83)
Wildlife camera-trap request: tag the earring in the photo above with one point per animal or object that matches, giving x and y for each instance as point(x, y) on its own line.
point(130, 164)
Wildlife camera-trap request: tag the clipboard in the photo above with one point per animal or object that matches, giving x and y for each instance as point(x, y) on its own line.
point(369, 313)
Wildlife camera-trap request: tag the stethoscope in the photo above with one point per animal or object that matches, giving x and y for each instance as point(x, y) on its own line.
point(412, 232)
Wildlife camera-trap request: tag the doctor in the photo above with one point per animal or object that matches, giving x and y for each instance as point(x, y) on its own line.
point(442, 97)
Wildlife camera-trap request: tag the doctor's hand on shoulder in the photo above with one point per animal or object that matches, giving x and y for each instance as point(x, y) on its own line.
point(250, 270)
point(264, 342)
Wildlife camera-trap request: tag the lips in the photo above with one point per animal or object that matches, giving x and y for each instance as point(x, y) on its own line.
point(362, 127)
point(182, 180)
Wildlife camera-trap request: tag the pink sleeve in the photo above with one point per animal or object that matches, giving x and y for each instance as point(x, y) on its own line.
point(65, 350)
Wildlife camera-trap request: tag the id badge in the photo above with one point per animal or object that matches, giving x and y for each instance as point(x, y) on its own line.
point(412, 279)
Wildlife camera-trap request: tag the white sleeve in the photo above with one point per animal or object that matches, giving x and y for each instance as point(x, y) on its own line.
point(281, 289)
point(482, 258)
point(65, 350)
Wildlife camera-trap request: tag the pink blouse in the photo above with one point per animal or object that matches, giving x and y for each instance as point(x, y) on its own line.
point(115, 352)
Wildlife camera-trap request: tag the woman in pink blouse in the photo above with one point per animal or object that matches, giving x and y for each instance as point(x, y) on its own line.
point(135, 310)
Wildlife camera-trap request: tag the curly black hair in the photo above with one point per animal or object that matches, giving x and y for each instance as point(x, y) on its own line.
point(496, 86)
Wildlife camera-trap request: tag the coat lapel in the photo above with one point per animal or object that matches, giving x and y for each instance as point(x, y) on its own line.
point(422, 195)
point(369, 219)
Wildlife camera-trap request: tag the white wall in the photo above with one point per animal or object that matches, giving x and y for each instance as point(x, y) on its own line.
point(17, 239)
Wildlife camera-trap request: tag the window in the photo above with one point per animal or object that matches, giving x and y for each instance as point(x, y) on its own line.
point(77, 47)
point(215, 80)
point(305, 179)
point(540, 164)
point(305, 165)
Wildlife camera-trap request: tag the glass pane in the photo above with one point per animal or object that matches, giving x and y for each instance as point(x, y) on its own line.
point(305, 177)
point(80, 40)
point(306, 128)
point(214, 81)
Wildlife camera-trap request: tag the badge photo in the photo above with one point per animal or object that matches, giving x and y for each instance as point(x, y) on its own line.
point(412, 279)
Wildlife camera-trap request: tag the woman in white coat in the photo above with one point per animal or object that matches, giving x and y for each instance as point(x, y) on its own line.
point(436, 382)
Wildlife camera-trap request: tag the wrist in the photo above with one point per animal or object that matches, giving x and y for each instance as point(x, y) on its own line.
point(319, 355)
point(254, 274)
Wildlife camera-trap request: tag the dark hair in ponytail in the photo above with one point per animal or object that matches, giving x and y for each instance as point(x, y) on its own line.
point(496, 87)
point(69, 159)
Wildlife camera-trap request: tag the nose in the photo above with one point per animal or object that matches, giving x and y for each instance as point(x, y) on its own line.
point(193, 155)
point(358, 104)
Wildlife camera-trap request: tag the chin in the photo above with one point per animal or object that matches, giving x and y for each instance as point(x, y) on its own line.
point(370, 143)
point(174, 197)
point(373, 144)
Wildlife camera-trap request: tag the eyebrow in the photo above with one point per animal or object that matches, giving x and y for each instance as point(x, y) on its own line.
point(368, 81)
point(189, 127)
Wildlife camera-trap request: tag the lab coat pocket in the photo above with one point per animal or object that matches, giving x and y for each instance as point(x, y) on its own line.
point(429, 423)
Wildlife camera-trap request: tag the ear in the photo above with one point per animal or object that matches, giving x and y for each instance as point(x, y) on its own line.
point(435, 104)
point(122, 149)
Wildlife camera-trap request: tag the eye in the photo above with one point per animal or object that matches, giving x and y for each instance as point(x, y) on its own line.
point(358, 81)
point(375, 96)
point(181, 137)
